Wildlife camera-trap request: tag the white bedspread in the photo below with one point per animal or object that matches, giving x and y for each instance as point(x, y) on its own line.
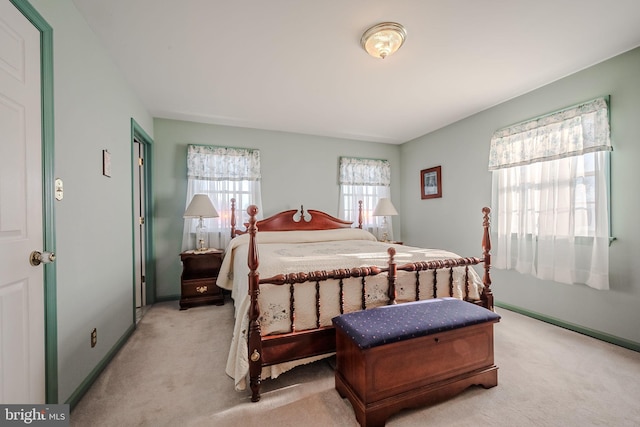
point(308, 251)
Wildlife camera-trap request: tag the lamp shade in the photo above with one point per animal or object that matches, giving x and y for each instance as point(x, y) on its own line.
point(385, 208)
point(201, 207)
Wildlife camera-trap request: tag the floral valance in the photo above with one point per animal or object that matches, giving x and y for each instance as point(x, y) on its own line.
point(223, 163)
point(355, 171)
point(570, 132)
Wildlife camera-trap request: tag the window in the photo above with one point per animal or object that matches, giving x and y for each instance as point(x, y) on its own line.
point(222, 173)
point(550, 195)
point(366, 180)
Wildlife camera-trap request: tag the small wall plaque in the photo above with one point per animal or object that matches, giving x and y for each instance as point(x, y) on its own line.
point(106, 163)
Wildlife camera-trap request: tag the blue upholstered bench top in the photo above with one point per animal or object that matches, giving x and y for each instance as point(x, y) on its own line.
point(393, 323)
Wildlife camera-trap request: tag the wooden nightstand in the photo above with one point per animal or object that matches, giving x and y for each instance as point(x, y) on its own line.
point(198, 280)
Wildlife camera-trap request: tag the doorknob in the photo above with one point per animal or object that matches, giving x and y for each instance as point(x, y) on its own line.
point(36, 258)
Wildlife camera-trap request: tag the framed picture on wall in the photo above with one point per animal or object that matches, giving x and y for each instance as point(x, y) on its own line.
point(431, 183)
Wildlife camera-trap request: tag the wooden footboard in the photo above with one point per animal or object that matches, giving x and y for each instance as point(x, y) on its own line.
point(274, 349)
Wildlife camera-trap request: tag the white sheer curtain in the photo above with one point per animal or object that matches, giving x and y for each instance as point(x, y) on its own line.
point(366, 180)
point(222, 173)
point(550, 195)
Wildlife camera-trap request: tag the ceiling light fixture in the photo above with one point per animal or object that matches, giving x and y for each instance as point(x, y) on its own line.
point(383, 39)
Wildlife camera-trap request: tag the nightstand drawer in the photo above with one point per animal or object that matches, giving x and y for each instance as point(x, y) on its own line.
point(199, 288)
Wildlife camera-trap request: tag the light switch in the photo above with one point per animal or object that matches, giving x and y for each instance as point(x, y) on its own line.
point(59, 190)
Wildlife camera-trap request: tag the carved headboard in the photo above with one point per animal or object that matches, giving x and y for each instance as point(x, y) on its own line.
point(292, 220)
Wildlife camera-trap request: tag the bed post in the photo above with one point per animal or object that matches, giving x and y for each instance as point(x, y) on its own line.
point(255, 341)
point(487, 294)
point(360, 219)
point(392, 274)
point(233, 218)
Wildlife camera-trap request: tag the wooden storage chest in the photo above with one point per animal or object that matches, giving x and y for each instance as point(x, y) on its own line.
point(408, 355)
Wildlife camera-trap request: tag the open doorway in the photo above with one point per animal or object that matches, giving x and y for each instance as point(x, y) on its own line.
point(144, 284)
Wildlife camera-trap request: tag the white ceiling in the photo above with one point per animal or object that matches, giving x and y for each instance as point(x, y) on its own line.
point(297, 65)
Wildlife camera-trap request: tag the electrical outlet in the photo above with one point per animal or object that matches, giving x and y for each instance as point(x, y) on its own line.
point(94, 337)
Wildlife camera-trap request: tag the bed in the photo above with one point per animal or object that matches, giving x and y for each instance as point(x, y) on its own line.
point(314, 267)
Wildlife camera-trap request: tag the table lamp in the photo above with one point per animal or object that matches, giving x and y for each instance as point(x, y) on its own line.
point(201, 207)
point(385, 208)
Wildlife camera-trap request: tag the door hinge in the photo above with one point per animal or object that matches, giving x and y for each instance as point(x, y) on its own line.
point(143, 279)
point(140, 161)
point(141, 220)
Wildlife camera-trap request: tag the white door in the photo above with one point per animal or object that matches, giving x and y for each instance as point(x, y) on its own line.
point(22, 361)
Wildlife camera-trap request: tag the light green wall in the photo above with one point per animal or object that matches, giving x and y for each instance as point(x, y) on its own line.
point(463, 149)
point(93, 110)
point(296, 170)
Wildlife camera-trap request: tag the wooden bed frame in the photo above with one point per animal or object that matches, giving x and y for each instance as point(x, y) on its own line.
point(278, 348)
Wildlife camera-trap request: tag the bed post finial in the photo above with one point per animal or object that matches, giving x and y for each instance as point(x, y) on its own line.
point(392, 275)
point(233, 218)
point(255, 341)
point(360, 219)
point(487, 294)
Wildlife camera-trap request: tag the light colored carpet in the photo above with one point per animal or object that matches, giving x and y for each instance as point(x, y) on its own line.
point(171, 373)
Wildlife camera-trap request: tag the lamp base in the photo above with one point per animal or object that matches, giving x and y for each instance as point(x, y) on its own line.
point(385, 229)
point(202, 240)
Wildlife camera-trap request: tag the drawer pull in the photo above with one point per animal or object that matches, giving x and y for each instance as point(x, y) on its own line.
point(201, 289)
